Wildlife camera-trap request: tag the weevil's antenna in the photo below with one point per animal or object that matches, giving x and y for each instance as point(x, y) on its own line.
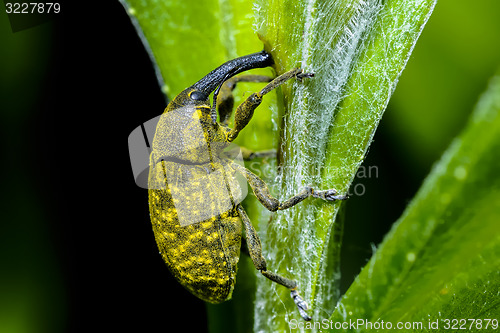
point(213, 111)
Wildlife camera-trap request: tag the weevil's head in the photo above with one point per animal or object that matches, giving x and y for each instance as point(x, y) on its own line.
point(198, 94)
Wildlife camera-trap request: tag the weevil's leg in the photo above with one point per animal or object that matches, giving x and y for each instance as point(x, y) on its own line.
point(255, 251)
point(250, 154)
point(225, 100)
point(262, 193)
point(245, 110)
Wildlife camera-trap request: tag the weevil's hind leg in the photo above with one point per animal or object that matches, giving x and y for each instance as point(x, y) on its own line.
point(225, 99)
point(245, 110)
point(255, 251)
point(262, 193)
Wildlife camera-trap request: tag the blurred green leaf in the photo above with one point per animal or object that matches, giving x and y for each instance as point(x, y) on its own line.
point(187, 39)
point(441, 259)
point(449, 68)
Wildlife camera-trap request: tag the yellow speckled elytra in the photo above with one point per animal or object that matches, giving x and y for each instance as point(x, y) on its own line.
point(194, 198)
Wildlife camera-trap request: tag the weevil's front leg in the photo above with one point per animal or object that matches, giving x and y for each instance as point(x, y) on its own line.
point(225, 100)
point(255, 251)
point(262, 193)
point(245, 110)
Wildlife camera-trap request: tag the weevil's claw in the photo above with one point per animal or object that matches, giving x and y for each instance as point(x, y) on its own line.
point(329, 195)
point(303, 75)
point(301, 304)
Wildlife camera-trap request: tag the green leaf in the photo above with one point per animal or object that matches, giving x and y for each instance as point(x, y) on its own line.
point(357, 51)
point(441, 259)
point(187, 39)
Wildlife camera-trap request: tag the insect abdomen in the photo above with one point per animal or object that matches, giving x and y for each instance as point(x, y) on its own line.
point(202, 256)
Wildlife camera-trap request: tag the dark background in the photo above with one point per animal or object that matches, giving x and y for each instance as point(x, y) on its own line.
point(76, 248)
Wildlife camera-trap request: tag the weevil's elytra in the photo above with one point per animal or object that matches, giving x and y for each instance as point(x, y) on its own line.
point(194, 198)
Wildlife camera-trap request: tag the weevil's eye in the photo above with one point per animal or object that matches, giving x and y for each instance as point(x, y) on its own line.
point(197, 96)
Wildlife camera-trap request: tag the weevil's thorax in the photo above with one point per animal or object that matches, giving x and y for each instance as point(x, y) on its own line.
point(186, 132)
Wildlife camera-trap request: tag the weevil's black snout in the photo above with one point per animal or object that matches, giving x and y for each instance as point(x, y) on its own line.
point(215, 78)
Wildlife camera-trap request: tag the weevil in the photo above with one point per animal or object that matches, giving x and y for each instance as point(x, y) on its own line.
point(194, 198)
